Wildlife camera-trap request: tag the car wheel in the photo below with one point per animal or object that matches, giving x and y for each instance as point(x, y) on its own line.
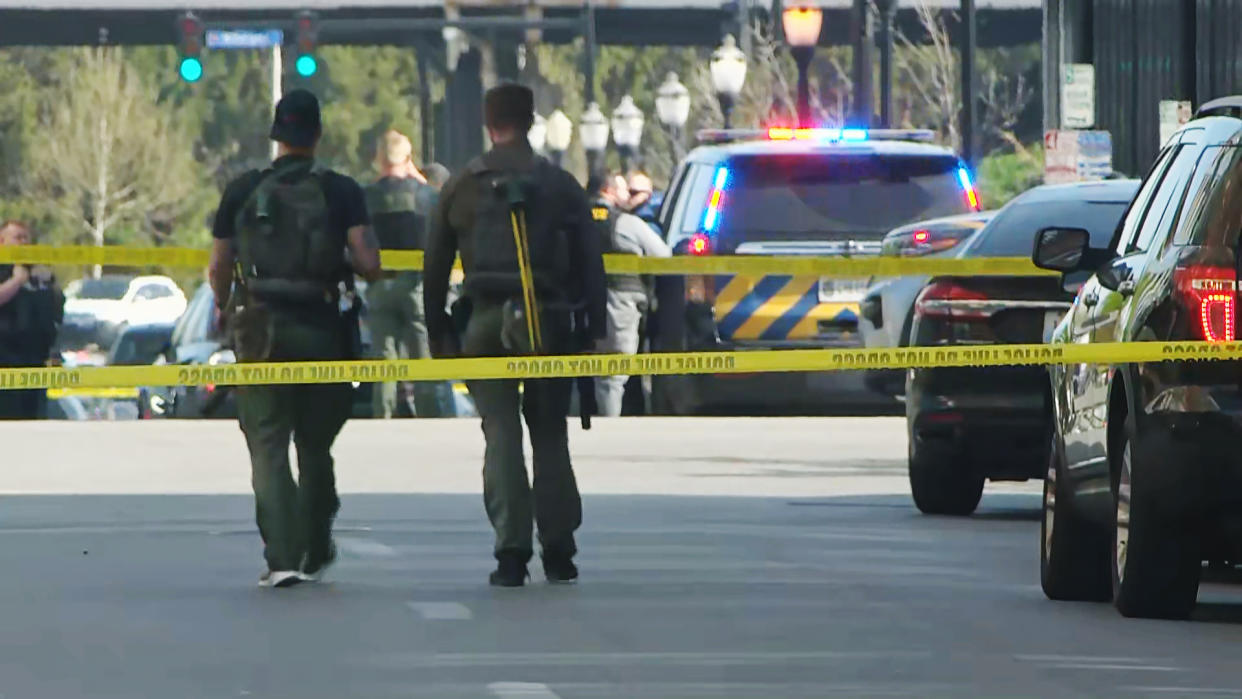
point(940, 483)
point(1073, 560)
point(1155, 562)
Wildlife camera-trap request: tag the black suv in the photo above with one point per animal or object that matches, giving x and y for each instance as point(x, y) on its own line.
point(1144, 477)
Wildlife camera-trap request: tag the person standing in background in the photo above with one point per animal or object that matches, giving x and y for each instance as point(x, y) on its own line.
point(31, 310)
point(399, 209)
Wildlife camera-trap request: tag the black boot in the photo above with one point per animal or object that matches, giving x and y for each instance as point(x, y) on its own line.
point(559, 568)
point(510, 571)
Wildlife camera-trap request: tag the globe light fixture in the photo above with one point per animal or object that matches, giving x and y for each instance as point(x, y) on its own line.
point(802, 25)
point(728, 69)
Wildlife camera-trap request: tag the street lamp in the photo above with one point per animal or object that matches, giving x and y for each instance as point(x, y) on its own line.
point(673, 109)
point(538, 134)
point(728, 67)
point(802, 25)
point(593, 130)
point(560, 131)
point(627, 130)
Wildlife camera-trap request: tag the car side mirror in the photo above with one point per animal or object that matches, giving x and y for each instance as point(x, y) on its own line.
point(1061, 249)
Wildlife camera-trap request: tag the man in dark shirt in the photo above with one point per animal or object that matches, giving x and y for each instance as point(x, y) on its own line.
point(31, 309)
point(287, 230)
point(567, 278)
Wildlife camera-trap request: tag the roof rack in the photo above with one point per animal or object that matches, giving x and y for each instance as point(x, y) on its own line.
point(1224, 106)
point(785, 133)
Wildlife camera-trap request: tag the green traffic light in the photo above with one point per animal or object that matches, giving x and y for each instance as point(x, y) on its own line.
point(306, 65)
point(191, 69)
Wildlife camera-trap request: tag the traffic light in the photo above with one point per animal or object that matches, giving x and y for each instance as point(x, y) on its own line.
point(190, 29)
point(307, 64)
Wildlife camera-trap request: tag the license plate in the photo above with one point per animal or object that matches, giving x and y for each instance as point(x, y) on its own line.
point(832, 290)
point(1051, 320)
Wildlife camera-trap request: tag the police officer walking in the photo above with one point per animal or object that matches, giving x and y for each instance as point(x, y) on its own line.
point(287, 230)
point(395, 303)
point(623, 233)
point(534, 283)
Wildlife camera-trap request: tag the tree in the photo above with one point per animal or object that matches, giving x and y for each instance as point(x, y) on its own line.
point(113, 163)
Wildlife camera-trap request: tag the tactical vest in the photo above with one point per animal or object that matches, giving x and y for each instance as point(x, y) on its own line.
point(505, 198)
point(604, 215)
point(286, 246)
point(396, 216)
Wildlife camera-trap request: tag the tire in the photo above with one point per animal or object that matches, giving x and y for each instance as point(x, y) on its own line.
point(1155, 562)
point(941, 485)
point(1073, 552)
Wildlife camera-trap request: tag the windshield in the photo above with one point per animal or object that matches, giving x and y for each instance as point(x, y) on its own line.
point(1012, 232)
point(111, 288)
point(140, 346)
point(837, 196)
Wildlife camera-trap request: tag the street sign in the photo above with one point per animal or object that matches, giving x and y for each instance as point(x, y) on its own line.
point(244, 38)
point(1078, 96)
point(1173, 114)
point(1077, 156)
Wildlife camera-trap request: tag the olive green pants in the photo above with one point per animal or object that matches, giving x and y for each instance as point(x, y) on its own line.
point(399, 331)
point(295, 517)
point(512, 503)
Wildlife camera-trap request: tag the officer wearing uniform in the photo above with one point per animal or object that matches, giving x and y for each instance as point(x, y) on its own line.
point(622, 233)
point(510, 212)
point(287, 230)
point(395, 303)
point(31, 309)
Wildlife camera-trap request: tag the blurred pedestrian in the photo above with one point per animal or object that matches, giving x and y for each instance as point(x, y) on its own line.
point(534, 283)
point(287, 229)
point(622, 233)
point(31, 310)
point(399, 209)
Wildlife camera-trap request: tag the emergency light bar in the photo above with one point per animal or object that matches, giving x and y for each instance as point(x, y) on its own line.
point(785, 133)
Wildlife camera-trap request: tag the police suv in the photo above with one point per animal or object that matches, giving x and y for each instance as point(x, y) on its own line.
point(785, 191)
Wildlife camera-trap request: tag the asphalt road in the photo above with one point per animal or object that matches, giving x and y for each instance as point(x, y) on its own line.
point(720, 558)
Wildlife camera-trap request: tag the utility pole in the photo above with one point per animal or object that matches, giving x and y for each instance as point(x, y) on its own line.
point(970, 145)
point(864, 60)
point(888, 14)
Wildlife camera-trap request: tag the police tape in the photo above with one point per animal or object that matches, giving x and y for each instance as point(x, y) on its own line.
point(94, 392)
point(813, 360)
point(412, 260)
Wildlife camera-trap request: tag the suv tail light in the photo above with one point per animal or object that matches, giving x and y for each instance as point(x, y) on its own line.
point(949, 300)
point(1211, 298)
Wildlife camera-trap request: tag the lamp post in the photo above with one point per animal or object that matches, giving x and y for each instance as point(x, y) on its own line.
point(593, 130)
point(673, 110)
point(560, 131)
point(802, 25)
point(728, 68)
point(627, 131)
point(538, 134)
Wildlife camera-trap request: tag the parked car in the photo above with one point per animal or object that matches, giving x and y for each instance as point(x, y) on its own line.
point(969, 425)
point(1144, 477)
point(887, 310)
point(788, 192)
point(140, 344)
point(97, 310)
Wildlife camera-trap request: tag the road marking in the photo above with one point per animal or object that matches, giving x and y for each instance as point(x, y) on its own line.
point(521, 690)
point(1128, 660)
point(1105, 666)
point(365, 548)
point(1182, 691)
point(605, 659)
point(441, 610)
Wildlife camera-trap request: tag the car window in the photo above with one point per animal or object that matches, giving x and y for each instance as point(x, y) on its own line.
point(1215, 212)
point(676, 185)
point(689, 212)
point(1167, 199)
point(838, 195)
point(1012, 232)
point(1138, 208)
point(192, 326)
point(149, 292)
point(104, 288)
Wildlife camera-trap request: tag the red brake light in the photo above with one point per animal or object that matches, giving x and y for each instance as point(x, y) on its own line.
point(921, 237)
point(1211, 297)
point(946, 299)
point(700, 244)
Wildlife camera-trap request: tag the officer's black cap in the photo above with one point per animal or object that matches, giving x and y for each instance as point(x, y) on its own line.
point(297, 122)
point(509, 106)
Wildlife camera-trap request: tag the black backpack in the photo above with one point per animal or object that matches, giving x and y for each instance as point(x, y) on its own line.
point(507, 197)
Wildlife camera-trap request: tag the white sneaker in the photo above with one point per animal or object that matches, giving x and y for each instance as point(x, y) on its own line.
point(280, 578)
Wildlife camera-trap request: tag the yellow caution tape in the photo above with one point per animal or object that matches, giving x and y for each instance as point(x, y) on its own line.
point(115, 393)
point(408, 260)
point(611, 364)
